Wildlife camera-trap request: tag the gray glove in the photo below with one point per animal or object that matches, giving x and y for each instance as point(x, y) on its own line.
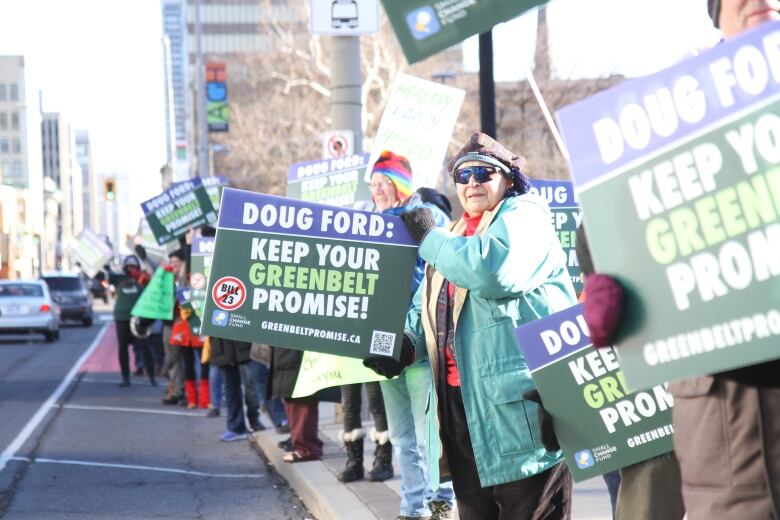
point(418, 222)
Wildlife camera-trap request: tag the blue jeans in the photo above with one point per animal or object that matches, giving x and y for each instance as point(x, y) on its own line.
point(216, 384)
point(406, 398)
point(235, 398)
point(275, 406)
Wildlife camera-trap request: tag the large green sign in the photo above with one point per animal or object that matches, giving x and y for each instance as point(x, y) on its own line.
point(157, 299)
point(679, 180)
point(309, 276)
point(600, 425)
point(183, 206)
point(425, 27)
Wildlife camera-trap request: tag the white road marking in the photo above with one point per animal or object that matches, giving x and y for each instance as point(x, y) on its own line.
point(123, 409)
point(136, 467)
point(35, 420)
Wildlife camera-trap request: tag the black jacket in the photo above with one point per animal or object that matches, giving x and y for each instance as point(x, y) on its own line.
point(285, 364)
point(228, 352)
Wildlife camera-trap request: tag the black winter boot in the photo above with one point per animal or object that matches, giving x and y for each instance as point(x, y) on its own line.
point(383, 457)
point(353, 443)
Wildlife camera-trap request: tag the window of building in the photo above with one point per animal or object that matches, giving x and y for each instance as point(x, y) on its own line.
point(17, 169)
point(6, 168)
point(2, 91)
point(3, 121)
point(16, 146)
point(14, 121)
point(14, 92)
point(3, 145)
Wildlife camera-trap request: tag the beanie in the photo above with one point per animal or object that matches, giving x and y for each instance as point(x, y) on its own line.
point(396, 168)
point(713, 7)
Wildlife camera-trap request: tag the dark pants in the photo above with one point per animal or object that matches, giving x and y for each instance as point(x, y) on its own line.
point(156, 346)
point(123, 338)
point(192, 355)
point(546, 495)
point(260, 374)
point(351, 402)
point(234, 398)
point(303, 416)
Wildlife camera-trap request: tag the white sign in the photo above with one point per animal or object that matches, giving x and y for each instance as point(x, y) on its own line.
point(417, 123)
point(337, 144)
point(344, 17)
point(89, 251)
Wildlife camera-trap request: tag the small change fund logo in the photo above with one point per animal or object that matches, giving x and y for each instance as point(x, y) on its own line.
point(219, 318)
point(584, 459)
point(423, 22)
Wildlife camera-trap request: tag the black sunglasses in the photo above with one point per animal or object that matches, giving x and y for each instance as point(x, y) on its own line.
point(481, 174)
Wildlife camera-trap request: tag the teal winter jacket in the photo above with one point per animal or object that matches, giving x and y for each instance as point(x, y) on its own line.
point(512, 271)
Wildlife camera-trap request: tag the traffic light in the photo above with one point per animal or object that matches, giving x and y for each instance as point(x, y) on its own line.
point(109, 190)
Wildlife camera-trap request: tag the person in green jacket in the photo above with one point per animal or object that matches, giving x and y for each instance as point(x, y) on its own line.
point(129, 285)
point(499, 266)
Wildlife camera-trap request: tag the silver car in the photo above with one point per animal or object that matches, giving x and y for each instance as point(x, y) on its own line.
point(26, 307)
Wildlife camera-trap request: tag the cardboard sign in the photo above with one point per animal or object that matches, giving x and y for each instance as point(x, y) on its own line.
point(338, 182)
point(566, 217)
point(679, 182)
point(319, 371)
point(90, 252)
point(157, 299)
point(309, 276)
point(600, 425)
point(424, 28)
point(183, 206)
point(417, 123)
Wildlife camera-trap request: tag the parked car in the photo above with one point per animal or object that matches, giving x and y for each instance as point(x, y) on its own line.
point(99, 288)
point(70, 292)
point(27, 307)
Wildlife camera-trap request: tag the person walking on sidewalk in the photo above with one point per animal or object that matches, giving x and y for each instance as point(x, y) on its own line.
point(405, 397)
point(229, 355)
point(129, 285)
point(499, 266)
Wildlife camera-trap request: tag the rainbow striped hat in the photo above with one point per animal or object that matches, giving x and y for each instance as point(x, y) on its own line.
point(397, 169)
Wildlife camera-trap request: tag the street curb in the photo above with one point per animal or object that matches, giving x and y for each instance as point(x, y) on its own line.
point(324, 496)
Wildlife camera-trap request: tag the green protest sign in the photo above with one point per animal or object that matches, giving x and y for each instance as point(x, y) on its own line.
point(157, 299)
point(600, 425)
point(424, 28)
point(214, 187)
point(183, 206)
point(338, 182)
point(193, 297)
point(145, 238)
point(309, 276)
point(90, 252)
point(566, 217)
point(320, 371)
point(683, 208)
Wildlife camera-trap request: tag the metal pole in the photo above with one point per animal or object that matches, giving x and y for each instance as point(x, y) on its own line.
point(487, 85)
point(546, 112)
point(346, 108)
point(200, 89)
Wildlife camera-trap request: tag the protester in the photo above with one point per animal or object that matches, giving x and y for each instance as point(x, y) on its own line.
point(259, 361)
point(172, 364)
point(196, 392)
point(302, 413)
point(405, 397)
point(229, 355)
point(499, 266)
point(726, 425)
point(129, 285)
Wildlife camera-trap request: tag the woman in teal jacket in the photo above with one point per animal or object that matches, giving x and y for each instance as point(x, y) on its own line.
point(501, 265)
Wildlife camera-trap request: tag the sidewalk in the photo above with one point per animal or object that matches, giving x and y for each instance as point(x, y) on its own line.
point(328, 499)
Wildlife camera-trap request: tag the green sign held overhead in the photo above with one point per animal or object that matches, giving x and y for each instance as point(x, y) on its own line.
point(600, 425)
point(183, 206)
point(425, 27)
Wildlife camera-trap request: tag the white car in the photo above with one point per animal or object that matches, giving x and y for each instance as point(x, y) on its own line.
point(26, 307)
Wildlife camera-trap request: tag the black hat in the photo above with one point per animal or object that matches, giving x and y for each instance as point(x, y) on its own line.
point(179, 253)
point(131, 260)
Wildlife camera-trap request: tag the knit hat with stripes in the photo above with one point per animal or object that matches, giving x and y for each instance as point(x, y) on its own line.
point(396, 168)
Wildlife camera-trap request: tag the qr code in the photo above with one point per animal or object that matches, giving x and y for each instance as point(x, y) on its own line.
point(382, 343)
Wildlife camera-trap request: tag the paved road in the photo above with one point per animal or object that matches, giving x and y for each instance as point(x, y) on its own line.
point(75, 445)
